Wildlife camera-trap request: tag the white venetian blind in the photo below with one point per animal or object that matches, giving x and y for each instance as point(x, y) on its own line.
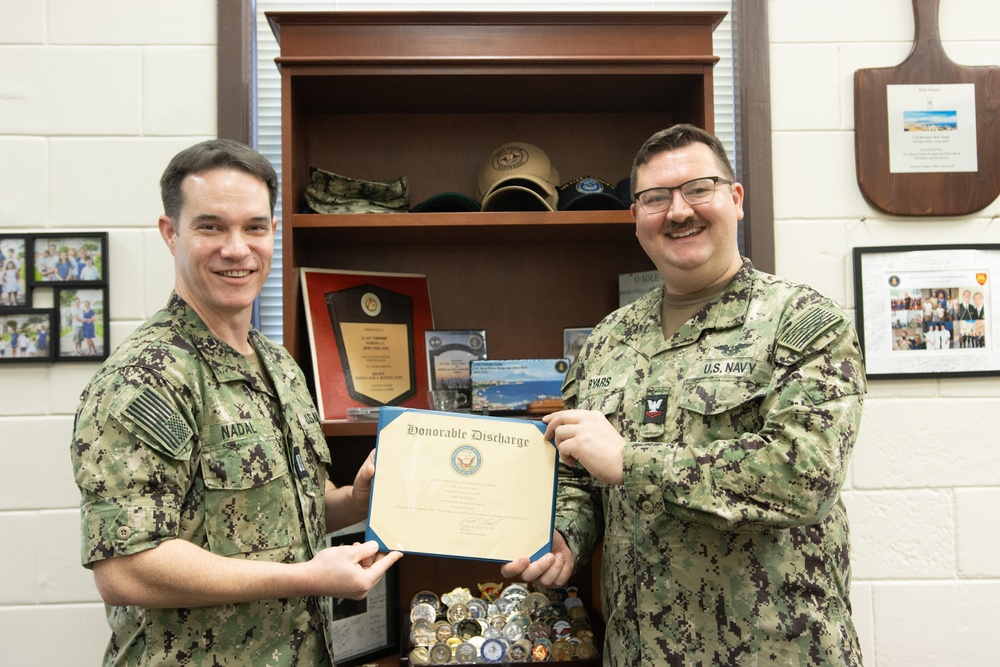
point(268, 106)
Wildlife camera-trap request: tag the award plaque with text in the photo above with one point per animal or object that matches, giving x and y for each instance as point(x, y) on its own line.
point(373, 328)
point(366, 336)
point(462, 486)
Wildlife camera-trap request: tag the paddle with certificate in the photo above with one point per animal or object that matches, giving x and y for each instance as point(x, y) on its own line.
point(927, 131)
point(462, 486)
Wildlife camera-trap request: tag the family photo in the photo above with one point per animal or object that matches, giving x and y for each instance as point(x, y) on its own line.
point(13, 288)
point(69, 259)
point(25, 336)
point(82, 324)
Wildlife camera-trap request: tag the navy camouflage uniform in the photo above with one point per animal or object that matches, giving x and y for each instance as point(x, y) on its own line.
point(177, 438)
point(727, 543)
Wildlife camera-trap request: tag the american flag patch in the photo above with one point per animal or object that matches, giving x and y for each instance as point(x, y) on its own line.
point(807, 327)
point(152, 412)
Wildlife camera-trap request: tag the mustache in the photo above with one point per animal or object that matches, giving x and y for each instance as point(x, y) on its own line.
point(681, 226)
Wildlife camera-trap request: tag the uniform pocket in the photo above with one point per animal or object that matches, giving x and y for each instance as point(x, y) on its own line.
point(250, 504)
point(722, 408)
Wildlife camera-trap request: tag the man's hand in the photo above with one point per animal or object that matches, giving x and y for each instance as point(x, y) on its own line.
point(362, 488)
point(347, 571)
point(551, 570)
point(587, 437)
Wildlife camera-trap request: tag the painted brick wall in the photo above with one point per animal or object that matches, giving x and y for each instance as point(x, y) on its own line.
point(94, 99)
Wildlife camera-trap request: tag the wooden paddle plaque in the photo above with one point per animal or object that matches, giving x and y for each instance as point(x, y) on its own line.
point(934, 193)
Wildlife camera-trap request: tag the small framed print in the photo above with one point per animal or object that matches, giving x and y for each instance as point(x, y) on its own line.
point(59, 260)
point(25, 335)
point(82, 324)
point(13, 271)
point(364, 630)
point(928, 311)
point(573, 341)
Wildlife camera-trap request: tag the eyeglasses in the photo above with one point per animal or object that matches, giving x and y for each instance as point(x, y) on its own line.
point(696, 191)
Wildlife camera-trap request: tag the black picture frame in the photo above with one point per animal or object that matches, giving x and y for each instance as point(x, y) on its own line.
point(71, 250)
point(365, 630)
point(26, 335)
point(917, 312)
point(73, 342)
point(14, 248)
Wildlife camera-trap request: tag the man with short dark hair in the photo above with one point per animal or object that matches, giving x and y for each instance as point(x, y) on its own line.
point(706, 440)
point(200, 458)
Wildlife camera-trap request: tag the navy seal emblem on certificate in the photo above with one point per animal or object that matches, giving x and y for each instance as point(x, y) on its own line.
point(439, 469)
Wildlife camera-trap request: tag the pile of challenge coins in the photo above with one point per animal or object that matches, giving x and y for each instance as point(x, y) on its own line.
point(511, 624)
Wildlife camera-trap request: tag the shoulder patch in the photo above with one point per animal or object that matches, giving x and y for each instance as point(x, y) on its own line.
point(808, 326)
point(153, 413)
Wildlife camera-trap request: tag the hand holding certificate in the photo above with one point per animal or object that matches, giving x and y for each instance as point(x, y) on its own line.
point(462, 486)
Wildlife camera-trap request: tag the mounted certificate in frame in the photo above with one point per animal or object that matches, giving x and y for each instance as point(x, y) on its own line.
point(462, 486)
point(928, 311)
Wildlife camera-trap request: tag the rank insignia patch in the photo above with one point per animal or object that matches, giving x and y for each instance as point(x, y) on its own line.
point(655, 409)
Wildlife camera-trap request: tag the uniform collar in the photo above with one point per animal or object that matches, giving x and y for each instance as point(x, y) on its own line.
point(727, 310)
point(225, 363)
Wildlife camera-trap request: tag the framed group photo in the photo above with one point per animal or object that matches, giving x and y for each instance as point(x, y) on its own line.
point(928, 311)
point(25, 335)
point(69, 259)
point(13, 271)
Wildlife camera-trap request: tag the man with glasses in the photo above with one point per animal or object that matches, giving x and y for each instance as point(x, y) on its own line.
point(706, 440)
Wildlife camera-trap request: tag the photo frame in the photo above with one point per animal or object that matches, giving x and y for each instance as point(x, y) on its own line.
point(82, 322)
point(928, 311)
point(68, 258)
point(363, 630)
point(26, 335)
point(14, 267)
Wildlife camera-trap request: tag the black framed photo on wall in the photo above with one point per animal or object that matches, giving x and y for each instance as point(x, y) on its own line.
point(83, 324)
point(13, 271)
point(928, 311)
point(25, 335)
point(69, 258)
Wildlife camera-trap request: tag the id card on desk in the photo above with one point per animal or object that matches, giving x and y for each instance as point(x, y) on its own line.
point(462, 486)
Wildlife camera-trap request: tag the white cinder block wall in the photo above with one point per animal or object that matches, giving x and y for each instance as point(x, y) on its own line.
point(94, 99)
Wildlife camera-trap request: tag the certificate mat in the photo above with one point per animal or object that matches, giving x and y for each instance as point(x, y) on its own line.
point(462, 486)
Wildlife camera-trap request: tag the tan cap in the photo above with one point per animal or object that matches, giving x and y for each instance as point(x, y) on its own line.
point(525, 174)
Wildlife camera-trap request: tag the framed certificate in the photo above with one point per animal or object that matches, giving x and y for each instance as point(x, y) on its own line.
point(928, 311)
point(462, 486)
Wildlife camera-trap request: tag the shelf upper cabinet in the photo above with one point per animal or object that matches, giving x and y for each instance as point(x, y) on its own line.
point(429, 96)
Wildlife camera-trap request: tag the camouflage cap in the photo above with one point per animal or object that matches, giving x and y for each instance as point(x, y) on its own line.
point(329, 192)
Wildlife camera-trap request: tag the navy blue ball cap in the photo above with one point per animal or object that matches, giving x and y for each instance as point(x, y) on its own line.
point(588, 194)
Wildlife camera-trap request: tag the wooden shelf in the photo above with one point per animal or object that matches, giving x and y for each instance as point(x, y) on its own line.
point(428, 96)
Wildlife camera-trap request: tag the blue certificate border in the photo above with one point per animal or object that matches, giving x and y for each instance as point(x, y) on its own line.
point(387, 414)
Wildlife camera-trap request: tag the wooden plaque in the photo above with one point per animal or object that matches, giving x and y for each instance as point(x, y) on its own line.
point(933, 193)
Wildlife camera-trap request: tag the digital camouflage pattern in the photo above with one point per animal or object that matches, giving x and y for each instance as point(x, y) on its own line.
point(177, 437)
point(328, 192)
point(727, 544)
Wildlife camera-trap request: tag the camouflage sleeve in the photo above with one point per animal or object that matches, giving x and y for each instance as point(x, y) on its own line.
point(132, 460)
point(579, 513)
point(776, 457)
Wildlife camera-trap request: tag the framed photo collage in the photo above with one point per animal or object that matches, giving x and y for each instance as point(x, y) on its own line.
point(68, 273)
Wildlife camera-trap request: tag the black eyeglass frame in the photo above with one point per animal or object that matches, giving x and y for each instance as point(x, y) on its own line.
point(715, 179)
